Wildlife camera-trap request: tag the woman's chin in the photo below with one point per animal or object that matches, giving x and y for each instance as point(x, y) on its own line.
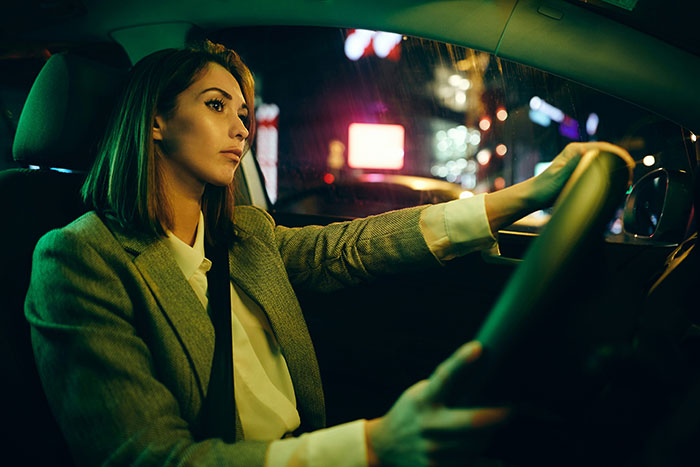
point(223, 179)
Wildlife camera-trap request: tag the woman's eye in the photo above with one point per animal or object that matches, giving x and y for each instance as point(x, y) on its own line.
point(216, 104)
point(244, 118)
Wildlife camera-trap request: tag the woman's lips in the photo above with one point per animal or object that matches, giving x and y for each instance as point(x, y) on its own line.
point(234, 154)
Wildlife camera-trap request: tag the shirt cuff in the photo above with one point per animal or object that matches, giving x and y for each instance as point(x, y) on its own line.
point(457, 227)
point(342, 446)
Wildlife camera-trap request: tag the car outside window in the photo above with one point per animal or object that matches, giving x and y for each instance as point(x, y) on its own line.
point(354, 122)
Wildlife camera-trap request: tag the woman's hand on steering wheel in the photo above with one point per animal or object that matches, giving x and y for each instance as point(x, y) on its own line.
point(546, 186)
point(420, 429)
point(503, 207)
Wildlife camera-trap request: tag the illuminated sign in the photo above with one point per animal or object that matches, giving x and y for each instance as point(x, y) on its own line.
point(361, 42)
point(375, 146)
point(266, 139)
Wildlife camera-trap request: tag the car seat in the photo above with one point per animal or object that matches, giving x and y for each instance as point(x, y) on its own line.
point(57, 134)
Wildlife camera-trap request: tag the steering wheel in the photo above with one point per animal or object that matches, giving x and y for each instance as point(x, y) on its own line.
point(524, 311)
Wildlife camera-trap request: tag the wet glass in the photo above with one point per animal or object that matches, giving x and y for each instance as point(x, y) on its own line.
point(466, 118)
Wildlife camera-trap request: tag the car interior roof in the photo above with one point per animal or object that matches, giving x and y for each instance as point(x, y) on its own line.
point(557, 36)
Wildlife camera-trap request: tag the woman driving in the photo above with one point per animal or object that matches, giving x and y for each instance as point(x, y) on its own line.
point(165, 324)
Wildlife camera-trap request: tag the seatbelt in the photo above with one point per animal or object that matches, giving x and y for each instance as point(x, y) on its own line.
point(218, 417)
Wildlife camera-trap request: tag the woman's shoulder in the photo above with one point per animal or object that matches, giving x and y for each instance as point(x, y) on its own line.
point(88, 228)
point(253, 220)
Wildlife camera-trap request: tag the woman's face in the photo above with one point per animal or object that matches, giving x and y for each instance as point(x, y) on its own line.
point(203, 141)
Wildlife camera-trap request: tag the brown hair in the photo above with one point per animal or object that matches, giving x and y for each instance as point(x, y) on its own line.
point(125, 181)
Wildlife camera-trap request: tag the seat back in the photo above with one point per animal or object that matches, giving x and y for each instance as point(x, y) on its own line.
point(60, 125)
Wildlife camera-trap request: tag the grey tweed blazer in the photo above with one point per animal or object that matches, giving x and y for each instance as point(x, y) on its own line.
point(124, 347)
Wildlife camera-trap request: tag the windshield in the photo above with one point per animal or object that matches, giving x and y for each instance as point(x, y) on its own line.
point(341, 112)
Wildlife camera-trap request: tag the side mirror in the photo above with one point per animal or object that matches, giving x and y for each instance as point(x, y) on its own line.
point(658, 207)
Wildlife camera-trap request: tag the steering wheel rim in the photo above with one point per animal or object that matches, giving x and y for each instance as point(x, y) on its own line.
point(583, 209)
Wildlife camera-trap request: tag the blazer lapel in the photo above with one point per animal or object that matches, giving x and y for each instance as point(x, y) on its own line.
point(177, 300)
point(261, 274)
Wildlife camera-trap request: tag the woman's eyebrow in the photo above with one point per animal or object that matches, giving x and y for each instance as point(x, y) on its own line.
point(224, 93)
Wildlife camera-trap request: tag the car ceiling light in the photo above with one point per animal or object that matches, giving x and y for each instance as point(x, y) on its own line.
point(693, 138)
point(375, 146)
point(649, 160)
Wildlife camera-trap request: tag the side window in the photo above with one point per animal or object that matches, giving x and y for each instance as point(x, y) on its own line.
point(355, 122)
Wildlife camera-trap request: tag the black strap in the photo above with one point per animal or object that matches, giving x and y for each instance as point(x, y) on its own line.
point(218, 418)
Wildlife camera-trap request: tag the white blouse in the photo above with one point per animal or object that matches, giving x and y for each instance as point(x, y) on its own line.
point(263, 389)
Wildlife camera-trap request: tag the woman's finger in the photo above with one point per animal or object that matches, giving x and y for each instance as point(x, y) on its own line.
point(448, 423)
point(441, 381)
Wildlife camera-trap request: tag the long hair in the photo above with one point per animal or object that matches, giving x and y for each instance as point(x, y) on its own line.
point(126, 181)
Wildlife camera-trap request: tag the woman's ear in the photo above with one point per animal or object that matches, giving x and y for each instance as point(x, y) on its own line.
point(157, 128)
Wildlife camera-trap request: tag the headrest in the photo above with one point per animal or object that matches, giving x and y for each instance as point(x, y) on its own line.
point(65, 113)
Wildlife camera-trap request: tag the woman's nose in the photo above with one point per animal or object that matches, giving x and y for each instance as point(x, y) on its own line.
point(239, 129)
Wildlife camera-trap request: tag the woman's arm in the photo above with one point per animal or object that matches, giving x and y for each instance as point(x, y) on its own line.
point(348, 253)
point(506, 206)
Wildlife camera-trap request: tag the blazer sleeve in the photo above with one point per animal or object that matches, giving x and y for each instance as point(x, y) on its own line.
point(98, 372)
point(348, 253)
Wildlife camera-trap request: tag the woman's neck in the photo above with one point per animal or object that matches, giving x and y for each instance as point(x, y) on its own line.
point(185, 205)
point(185, 218)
